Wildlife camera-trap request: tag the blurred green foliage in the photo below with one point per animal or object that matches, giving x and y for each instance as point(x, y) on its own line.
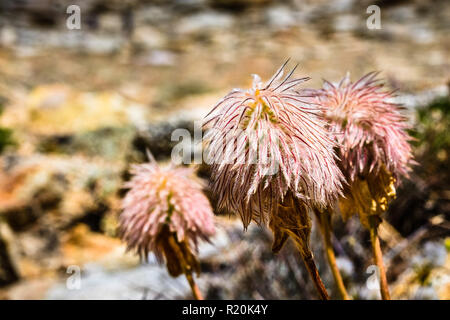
point(431, 131)
point(424, 195)
point(6, 135)
point(170, 93)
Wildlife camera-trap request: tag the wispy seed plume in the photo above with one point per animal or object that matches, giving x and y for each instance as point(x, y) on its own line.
point(166, 212)
point(267, 141)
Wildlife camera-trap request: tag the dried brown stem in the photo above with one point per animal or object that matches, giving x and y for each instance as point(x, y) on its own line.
point(292, 220)
point(187, 270)
point(314, 273)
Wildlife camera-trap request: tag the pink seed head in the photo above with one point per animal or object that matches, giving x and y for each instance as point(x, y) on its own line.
point(161, 197)
point(368, 126)
point(266, 141)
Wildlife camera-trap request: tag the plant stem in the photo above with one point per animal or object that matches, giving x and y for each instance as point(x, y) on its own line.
point(376, 248)
point(325, 227)
point(314, 273)
point(187, 270)
point(293, 220)
point(195, 290)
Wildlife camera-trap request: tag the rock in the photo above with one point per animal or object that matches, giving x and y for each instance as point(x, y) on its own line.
point(9, 272)
point(152, 15)
point(55, 191)
point(110, 23)
point(204, 22)
point(425, 293)
point(149, 38)
point(108, 273)
point(423, 98)
point(81, 246)
point(8, 36)
point(161, 58)
point(110, 143)
point(239, 4)
point(414, 32)
point(280, 17)
point(101, 44)
point(345, 266)
point(402, 13)
point(81, 40)
point(157, 136)
point(157, 139)
point(32, 289)
point(366, 293)
point(421, 33)
point(428, 277)
point(186, 6)
point(347, 23)
point(340, 6)
point(59, 110)
point(433, 254)
point(145, 282)
point(41, 197)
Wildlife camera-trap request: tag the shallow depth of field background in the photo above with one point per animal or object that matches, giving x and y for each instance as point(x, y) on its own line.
point(79, 106)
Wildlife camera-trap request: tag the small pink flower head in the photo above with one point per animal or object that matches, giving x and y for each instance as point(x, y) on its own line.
point(368, 126)
point(164, 202)
point(267, 141)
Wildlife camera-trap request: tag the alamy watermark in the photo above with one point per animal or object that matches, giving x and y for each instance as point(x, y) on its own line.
point(374, 20)
point(73, 21)
point(230, 148)
point(373, 281)
point(73, 282)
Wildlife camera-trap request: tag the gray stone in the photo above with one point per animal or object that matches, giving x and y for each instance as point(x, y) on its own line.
point(154, 15)
point(401, 13)
point(426, 293)
point(158, 58)
point(205, 21)
point(339, 6)
point(345, 265)
point(280, 17)
point(101, 44)
point(421, 33)
point(8, 36)
point(150, 281)
point(147, 281)
point(347, 23)
point(149, 37)
point(419, 99)
point(110, 23)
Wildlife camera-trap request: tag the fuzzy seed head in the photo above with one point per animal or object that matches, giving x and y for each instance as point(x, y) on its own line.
point(266, 141)
point(164, 201)
point(368, 126)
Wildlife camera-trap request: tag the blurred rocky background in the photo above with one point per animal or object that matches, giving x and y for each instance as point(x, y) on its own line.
point(79, 106)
